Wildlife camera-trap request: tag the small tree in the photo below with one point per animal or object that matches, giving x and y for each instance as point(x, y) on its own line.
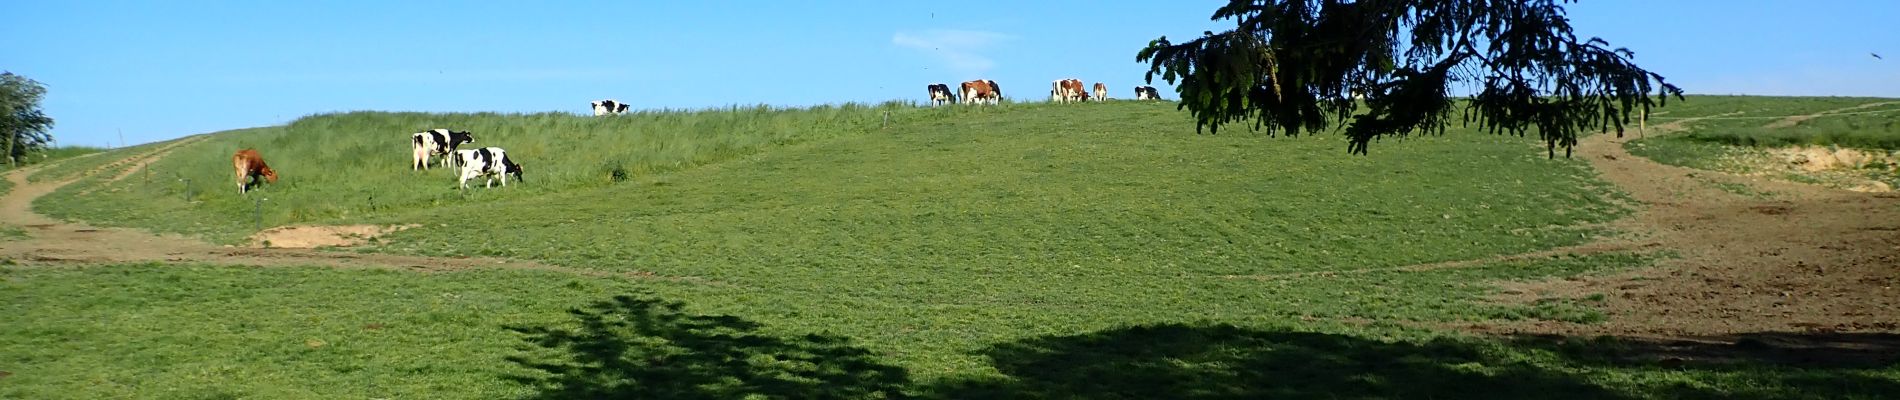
point(1297, 65)
point(22, 125)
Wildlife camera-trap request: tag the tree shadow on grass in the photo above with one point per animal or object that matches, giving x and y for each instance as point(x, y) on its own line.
point(1226, 362)
point(631, 347)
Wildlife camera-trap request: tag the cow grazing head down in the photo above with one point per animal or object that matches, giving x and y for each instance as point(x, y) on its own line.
point(1067, 90)
point(249, 166)
point(608, 107)
point(487, 162)
point(940, 94)
point(1145, 92)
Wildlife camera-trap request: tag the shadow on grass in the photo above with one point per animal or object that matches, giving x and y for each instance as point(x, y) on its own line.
point(1225, 362)
point(631, 347)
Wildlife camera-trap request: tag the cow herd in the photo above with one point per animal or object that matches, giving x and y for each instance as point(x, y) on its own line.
point(984, 91)
point(486, 162)
point(493, 162)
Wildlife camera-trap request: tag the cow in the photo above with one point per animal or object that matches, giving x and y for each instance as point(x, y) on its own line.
point(609, 107)
point(1145, 92)
point(940, 94)
point(487, 162)
point(1067, 90)
point(435, 142)
point(250, 166)
point(982, 90)
point(1101, 92)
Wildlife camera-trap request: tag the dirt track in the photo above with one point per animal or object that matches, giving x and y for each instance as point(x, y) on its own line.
point(1806, 259)
point(59, 242)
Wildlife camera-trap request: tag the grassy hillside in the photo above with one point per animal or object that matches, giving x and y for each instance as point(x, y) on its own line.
point(1735, 142)
point(342, 167)
point(1025, 251)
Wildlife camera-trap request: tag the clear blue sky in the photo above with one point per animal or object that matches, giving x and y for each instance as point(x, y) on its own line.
point(160, 70)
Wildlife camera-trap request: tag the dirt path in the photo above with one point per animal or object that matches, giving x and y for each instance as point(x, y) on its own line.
point(1807, 259)
point(54, 242)
point(1796, 120)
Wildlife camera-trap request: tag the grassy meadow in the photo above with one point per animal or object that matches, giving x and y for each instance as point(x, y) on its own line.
point(1721, 144)
point(1098, 250)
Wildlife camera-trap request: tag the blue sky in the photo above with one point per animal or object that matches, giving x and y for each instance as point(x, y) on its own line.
point(159, 70)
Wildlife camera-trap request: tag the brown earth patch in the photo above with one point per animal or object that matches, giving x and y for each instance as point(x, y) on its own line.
point(314, 236)
point(1809, 260)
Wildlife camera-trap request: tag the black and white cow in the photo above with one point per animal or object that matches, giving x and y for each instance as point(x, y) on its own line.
point(609, 107)
point(1145, 92)
point(436, 142)
point(941, 94)
point(487, 162)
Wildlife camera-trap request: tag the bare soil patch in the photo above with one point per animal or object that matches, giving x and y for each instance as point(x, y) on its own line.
point(314, 236)
point(1810, 259)
point(55, 242)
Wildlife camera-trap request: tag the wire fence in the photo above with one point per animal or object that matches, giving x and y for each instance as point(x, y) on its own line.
point(1783, 116)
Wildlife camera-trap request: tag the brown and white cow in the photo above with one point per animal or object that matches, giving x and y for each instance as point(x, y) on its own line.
point(940, 94)
point(1067, 90)
point(1101, 92)
point(981, 91)
point(249, 166)
point(1145, 92)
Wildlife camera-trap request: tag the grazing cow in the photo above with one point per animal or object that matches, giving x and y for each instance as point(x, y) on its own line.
point(1101, 92)
point(1067, 90)
point(1145, 92)
point(609, 107)
point(487, 162)
point(981, 91)
point(940, 94)
point(435, 142)
point(250, 166)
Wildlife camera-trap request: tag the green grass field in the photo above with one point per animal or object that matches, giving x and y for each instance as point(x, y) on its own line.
point(1096, 250)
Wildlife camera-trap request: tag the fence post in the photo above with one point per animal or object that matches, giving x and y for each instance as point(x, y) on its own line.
point(187, 190)
point(887, 120)
point(257, 214)
point(1642, 125)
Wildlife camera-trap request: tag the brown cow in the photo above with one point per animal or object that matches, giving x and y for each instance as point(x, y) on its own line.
point(980, 91)
point(1067, 90)
point(249, 165)
point(1101, 92)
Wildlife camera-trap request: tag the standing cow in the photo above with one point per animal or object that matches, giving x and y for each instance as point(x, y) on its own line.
point(1101, 92)
point(436, 142)
point(982, 91)
point(609, 107)
point(1067, 90)
point(250, 166)
point(940, 94)
point(487, 162)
